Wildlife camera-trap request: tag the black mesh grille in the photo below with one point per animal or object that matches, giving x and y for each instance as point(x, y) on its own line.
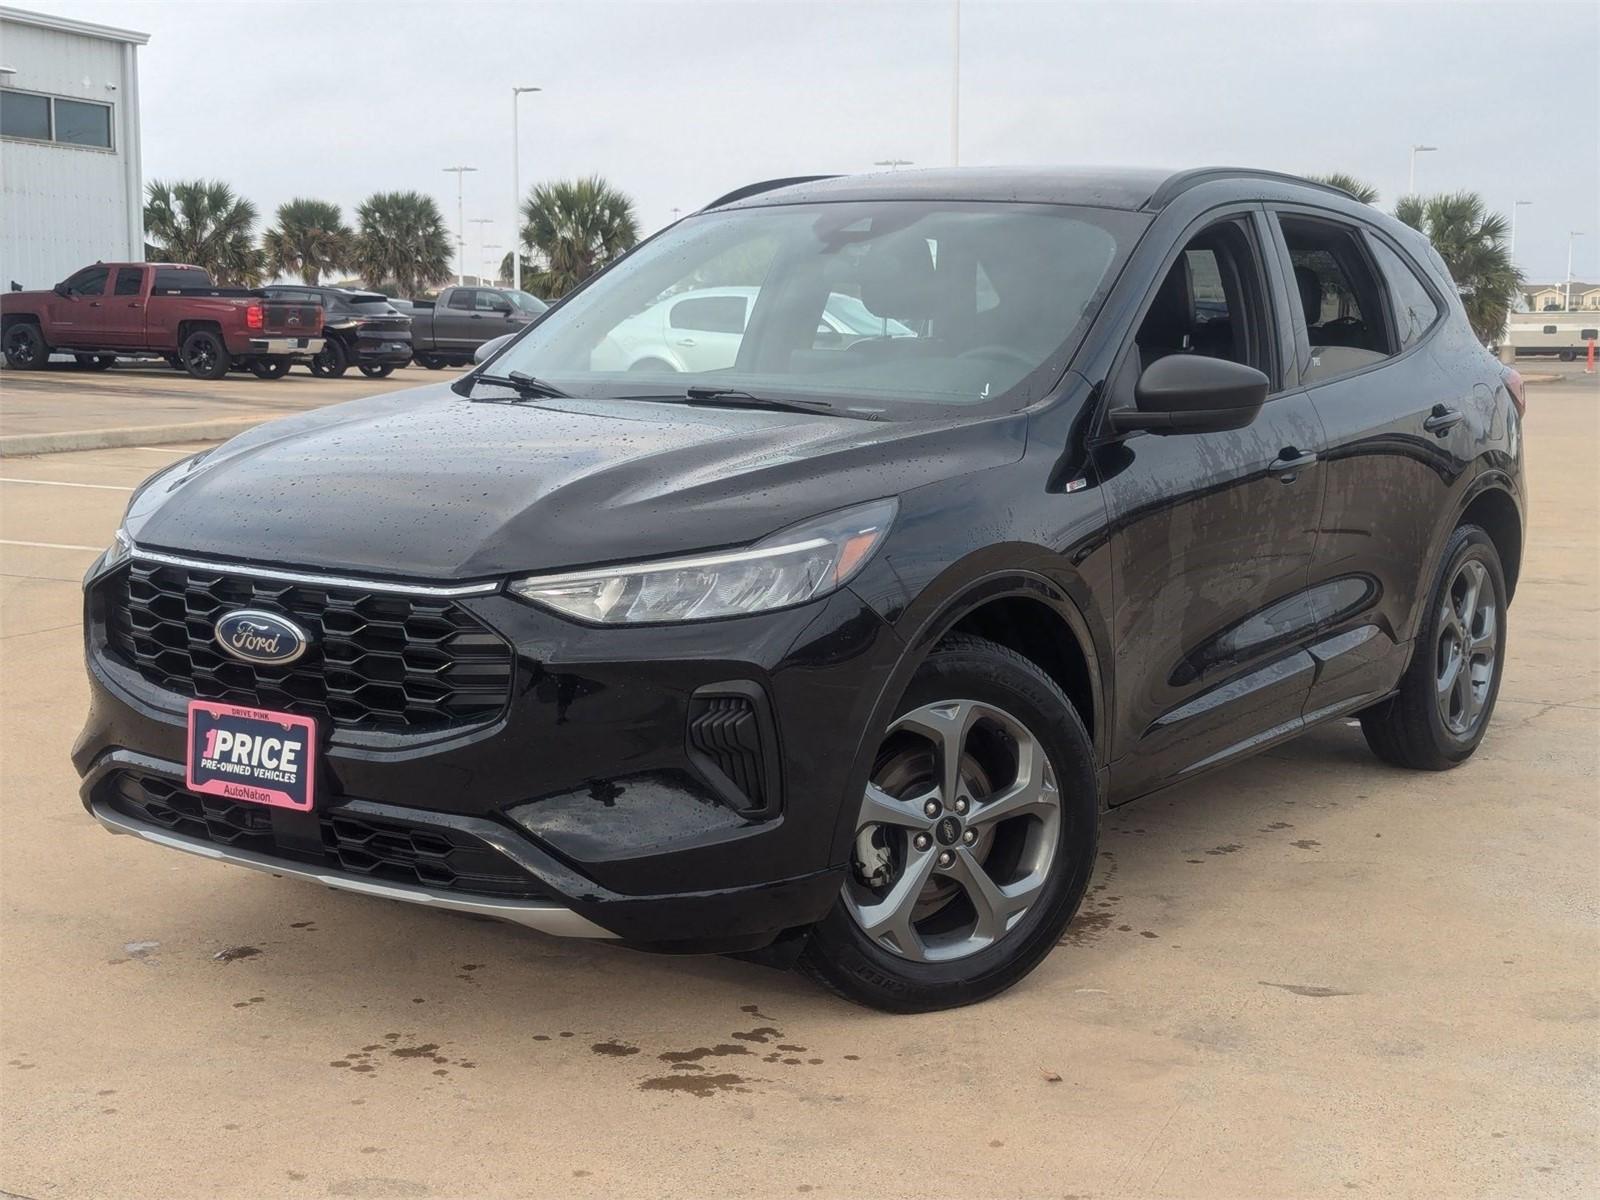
point(395, 851)
point(377, 661)
point(727, 731)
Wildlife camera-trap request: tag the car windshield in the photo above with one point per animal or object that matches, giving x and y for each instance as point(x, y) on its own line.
point(897, 307)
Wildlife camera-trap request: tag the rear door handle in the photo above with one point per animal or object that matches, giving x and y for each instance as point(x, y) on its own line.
point(1290, 462)
point(1442, 420)
point(685, 341)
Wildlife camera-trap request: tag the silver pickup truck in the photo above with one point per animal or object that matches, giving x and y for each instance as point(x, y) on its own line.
point(445, 332)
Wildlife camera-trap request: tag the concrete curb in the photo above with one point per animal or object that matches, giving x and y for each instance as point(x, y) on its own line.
point(14, 445)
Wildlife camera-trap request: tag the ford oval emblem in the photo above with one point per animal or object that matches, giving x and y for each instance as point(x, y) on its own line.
point(261, 637)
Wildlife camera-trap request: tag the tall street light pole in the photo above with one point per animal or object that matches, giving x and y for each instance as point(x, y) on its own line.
point(1572, 236)
point(1516, 204)
point(480, 222)
point(516, 190)
point(1411, 188)
point(461, 222)
point(955, 94)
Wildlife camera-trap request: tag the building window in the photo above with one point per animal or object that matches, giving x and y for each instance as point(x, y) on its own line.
point(55, 119)
point(25, 116)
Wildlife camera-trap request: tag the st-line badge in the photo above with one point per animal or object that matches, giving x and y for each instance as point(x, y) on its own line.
point(251, 754)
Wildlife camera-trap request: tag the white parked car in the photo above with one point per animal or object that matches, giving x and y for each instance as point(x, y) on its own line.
point(700, 330)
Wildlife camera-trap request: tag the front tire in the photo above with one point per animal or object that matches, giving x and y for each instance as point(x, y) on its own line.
point(975, 839)
point(377, 370)
point(25, 347)
point(1446, 698)
point(331, 361)
point(204, 355)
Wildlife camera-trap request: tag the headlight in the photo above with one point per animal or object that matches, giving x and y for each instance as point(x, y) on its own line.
point(119, 550)
point(799, 564)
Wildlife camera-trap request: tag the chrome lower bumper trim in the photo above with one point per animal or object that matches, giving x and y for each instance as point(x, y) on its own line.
point(542, 915)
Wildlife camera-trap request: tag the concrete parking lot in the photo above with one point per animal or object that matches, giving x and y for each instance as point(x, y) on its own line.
point(1311, 975)
point(146, 401)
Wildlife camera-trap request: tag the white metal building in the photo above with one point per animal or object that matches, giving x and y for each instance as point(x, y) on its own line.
point(69, 147)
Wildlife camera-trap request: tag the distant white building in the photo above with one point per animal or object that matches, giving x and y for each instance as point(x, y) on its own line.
point(69, 147)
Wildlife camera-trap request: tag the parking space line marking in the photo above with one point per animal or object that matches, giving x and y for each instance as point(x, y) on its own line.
point(51, 545)
point(101, 487)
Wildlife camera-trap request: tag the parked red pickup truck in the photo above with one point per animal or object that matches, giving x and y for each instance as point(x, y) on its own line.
point(168, 309)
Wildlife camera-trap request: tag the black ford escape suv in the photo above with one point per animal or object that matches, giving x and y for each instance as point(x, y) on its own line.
point(834, 648)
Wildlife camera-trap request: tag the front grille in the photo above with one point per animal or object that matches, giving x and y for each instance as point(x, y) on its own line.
point(391, 850)
point(377, 661)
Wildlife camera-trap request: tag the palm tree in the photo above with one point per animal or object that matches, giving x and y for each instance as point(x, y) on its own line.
point(571, 229)
point(1472, 242)
point(1357, 188)
point(309, 239)
point(203, 222)
point(402, 242)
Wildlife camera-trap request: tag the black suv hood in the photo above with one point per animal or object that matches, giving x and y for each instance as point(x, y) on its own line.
point(425, 484)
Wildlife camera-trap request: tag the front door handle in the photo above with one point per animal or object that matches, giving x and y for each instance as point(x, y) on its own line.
point(685, 341)
point(1442, 420)
point(1290, 462)
point(94, 304)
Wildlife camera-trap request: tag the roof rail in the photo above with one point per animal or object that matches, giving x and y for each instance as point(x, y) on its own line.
point(766, 185)
point(1184, 180)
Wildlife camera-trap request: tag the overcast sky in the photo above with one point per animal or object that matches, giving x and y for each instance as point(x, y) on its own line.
point(676, 102)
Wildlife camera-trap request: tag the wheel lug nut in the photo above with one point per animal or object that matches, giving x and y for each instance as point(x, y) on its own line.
point(946, 858)
point(961, 805)
point(931, 808)
point(970, 836)
point(922, 841)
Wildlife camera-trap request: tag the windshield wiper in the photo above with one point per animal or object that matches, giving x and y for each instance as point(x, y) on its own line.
point(523, 384)
point(735, 398)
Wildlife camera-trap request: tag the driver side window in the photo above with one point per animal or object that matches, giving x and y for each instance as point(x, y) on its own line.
point(1212, 302)
point(91, 281)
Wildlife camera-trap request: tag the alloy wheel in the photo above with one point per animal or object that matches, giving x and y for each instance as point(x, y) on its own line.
point(1466, 652)
point(202, 356)
point(21, 346)
point(957, 832)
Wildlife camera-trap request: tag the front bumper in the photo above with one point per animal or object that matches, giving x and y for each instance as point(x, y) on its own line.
point(278, 346)
point(585, 782)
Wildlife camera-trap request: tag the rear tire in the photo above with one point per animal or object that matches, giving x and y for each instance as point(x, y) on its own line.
point(25, 347)
point(1446, 698)
point(377, 370)
point(204, 355)
point(429, 361)
point(331, 361)
point(1005, 840)
point(269, 368)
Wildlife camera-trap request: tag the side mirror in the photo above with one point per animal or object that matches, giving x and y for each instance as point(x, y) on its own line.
point(1190, 393)
point(503, 307)
point(490, 348)
point(61, 289)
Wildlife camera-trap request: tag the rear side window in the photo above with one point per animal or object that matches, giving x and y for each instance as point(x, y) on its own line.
point(710, 314)
point(1339, 296)
point(461, 298)
point(174, 279)
point(1415, 310)
point(373, 306)
point(128, 281)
